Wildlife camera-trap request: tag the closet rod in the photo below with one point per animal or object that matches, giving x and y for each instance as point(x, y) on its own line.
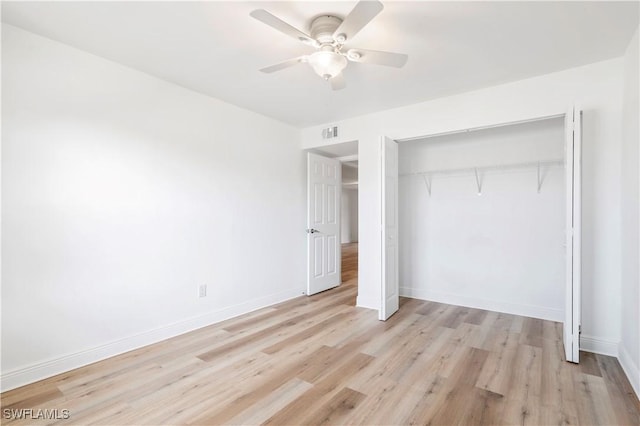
point(533, 164)
point(490, 126)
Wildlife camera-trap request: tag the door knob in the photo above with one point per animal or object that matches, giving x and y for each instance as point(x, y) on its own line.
point(312, 231)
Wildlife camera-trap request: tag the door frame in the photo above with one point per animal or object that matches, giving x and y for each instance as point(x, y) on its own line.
point(318, 150)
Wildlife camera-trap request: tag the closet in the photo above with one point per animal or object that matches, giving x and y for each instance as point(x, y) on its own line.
point(482, 218)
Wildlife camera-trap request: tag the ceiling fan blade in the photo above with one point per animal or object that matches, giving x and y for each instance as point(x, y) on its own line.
point(337, 82)
point(360, 15)
point(285, 64)
point(278, 24)
point(377, 57)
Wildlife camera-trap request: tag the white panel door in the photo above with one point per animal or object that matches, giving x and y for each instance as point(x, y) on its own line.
point(573, 155)
point(390, 273)
point(324, 184)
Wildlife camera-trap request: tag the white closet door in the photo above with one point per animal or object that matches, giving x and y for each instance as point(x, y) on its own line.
point(573, 158)
point(390, 274)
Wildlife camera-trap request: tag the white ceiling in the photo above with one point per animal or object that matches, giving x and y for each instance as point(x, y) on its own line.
point(216, 48)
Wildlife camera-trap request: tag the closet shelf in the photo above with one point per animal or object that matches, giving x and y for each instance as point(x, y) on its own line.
point(516, 166)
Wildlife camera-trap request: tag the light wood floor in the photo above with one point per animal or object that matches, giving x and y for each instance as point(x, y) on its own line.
point(350, 263)
point(320, 360)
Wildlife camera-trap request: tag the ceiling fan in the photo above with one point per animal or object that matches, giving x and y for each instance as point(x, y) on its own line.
point(328, 35)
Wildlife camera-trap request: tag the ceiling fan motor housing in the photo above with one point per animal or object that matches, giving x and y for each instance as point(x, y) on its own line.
point(323, 27)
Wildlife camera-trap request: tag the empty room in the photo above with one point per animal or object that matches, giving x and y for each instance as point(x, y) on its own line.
point(312, 212)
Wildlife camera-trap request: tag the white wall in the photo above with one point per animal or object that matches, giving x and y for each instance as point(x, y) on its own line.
point(597, 88)
point(349, 219)
point(502, 250)
point(630, 186)
point(122, 194)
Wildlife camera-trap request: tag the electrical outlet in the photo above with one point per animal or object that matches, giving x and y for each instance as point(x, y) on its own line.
point(202, 291)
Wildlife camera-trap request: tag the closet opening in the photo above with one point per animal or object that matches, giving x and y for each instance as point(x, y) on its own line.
point(484, 219)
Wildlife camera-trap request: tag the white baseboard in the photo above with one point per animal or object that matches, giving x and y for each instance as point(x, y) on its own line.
point(630, 369)
point(33, 373)
point(490, 305)
point(362, 303)
point(598, 345)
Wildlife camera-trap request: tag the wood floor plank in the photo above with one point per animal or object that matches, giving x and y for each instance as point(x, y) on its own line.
point(475, 316)
point(557, 388)
point(532, 332)
point(454, 316)
point(517, 324)
point(103, 416)
point(523, 400)
point(458, 391)
point(322, 392)
point(337, 409)
point(35, 399)
point(210, 393)
point(485, 408)
point(393, 363)
point(277, 329)
point(249, 395)
point(244, 323)
point(394, 402)
point(349, 262)
point(621, 394)
point(307, 333)
point(430, 399)
point(397, 336)
point(432, 309)
point(353, 326)
point(589, 364)
point(496, 373)
point(422, 369)
point(594, 406)
point(500, 320)
point(272, 403)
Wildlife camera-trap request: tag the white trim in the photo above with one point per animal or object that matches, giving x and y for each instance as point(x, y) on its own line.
point(630, 368)
point(366, 304)
point(23, 376)
point(490, 305)
point(348, 158)
point(598, 346)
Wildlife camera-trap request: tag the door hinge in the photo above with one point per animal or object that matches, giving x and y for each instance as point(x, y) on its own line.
point(580, 329)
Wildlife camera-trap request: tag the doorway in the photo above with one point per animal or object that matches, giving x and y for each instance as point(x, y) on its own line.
point(349, 224)
point(346, 156)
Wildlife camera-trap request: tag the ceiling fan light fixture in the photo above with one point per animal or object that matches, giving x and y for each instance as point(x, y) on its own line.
point(327, 64)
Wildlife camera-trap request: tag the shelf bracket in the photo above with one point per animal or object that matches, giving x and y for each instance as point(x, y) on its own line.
point(539, 180)
point(478, 181)
point(427, 182)
point(541, 175)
